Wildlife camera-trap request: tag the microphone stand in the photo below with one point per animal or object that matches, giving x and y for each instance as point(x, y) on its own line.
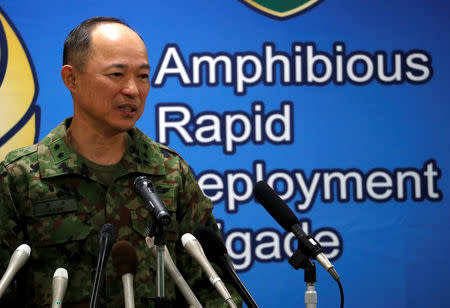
point(310, 280)
point(157, 231)
point(146, 190)
point(299, 260)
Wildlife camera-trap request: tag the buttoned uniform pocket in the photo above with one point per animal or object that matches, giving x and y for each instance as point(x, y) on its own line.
point(57, 229)
point(61, 240)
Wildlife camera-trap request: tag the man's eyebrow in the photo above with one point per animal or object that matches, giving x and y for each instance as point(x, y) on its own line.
point(123, 66)
point(116, 65)
point(146, 66)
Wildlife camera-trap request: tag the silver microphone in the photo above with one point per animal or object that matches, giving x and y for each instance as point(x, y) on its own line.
point(194, 248)
point(176, 275)
point(59, 286)
point(18, 259)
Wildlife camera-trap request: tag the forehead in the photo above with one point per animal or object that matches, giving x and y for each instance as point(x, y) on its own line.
point(116, 40)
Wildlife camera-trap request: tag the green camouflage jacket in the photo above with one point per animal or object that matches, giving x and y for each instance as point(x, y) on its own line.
point(50, 200)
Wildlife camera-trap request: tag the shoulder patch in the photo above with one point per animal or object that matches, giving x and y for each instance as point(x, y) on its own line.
point(19, 153)
point(166, 151)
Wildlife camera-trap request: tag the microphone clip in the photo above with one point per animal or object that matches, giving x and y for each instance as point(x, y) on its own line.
point(307, 248)
point(299, 260)
point(156, 230)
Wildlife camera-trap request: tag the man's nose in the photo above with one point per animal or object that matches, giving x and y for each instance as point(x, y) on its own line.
point(130, 88)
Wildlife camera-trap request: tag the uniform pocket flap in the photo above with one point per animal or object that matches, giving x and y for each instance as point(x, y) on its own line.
point(57, 222)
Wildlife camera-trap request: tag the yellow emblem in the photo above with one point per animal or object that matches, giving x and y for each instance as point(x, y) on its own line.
point(19, 115)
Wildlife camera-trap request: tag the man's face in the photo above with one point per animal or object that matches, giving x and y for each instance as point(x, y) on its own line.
point(112, 89)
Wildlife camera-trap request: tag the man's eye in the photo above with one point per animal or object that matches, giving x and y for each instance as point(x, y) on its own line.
point(115, 74)
point(144, 76)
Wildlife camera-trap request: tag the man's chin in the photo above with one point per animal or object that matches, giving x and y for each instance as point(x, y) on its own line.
point(123, 126)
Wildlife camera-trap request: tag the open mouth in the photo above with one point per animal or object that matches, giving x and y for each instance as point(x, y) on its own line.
point(128, 108)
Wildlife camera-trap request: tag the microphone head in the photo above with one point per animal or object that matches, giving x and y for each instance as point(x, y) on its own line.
point(212, 244)
point(186, 238)
point(61, 272)
point(108, 229)
point(108, 233)
point(142, 182)
point(273, 204)
point(25, 249)
point(138, 180)
point(124, 258)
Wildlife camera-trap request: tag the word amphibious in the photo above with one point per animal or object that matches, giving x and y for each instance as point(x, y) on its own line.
point(303, 65)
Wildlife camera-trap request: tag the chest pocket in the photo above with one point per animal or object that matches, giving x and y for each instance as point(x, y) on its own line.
point(61, 237)
point(58, 221)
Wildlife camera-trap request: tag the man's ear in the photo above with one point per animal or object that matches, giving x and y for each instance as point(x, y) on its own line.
point(68, 75)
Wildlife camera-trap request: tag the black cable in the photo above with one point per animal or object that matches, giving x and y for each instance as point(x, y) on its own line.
point(341, 290)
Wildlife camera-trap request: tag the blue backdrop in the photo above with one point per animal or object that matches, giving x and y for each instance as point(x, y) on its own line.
point(343, 107)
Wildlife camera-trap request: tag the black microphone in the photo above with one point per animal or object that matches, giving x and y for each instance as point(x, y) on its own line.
point(145, 189)
point(216, 252)
point(276, 207)
point(107, 239)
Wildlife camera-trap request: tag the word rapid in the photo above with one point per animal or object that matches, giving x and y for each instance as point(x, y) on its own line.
point(229, 129)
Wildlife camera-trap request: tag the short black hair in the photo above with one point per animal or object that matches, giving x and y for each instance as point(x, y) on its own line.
point(76, 46)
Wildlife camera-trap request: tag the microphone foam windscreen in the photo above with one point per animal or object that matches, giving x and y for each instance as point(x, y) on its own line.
point(212, 245)
point(124, 258)
point(274, 205)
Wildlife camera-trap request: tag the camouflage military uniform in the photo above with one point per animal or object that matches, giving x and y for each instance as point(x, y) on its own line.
point(51, 200)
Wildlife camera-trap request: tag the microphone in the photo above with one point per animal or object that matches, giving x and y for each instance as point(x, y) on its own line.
point(124, 259)
point(59, 287)
point(107, 238)
point(145, 189)
point(216, 252)
point(176, 275)
point(194, 248)
point(18, 259)
point(276, 207)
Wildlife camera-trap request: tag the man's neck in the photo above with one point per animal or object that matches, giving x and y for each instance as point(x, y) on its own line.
point(100, 147)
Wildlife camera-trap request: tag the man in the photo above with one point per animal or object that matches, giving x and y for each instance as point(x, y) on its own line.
point(57, 194)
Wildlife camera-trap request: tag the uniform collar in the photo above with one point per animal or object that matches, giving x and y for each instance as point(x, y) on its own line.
point(56, 158)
